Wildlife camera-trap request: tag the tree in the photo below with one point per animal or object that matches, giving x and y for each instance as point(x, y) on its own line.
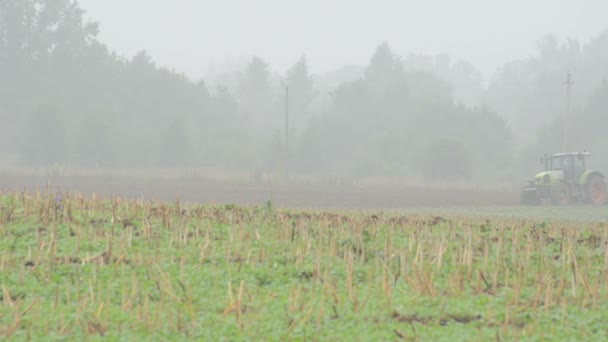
point(224, 106)
point(384, 69)
point(378, 124)
point(530, 92)
point(382, 65)
point(39, 41)
point(254, 92)
point(176, 149)
point(309, 153)
point(95, 143)
point(588, 128)
point(46, 141)
point(50, 54)
point(301, 94)
point(467, 83)
point(274, 156)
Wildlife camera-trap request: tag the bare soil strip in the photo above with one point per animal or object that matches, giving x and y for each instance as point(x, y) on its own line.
point(286, 196)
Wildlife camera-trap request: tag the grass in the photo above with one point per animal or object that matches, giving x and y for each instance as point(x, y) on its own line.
point(573, 214)
point(83, 268)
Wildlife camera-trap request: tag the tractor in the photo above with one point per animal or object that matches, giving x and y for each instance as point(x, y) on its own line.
point(566, 180)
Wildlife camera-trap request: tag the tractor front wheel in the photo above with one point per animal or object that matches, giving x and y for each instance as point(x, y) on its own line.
point(597, 192)
point(560, 194)
point(530, 197)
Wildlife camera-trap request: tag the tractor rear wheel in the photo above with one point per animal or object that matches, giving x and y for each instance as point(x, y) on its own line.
point(597, 192)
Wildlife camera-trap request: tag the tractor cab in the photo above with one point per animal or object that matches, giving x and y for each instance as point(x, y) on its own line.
point(566, 166)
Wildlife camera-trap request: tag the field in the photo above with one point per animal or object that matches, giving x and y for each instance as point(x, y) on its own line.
point(296, 195)
point(80, 267)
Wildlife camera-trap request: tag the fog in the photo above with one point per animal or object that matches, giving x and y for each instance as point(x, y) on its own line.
point(191, 35)
point(420, 91)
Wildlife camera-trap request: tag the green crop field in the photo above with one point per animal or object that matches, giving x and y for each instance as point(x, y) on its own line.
point(78, 268)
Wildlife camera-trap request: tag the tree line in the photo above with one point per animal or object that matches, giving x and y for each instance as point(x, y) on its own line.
point(67, 99)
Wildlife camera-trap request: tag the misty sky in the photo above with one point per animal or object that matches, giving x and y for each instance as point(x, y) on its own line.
point(192, 36)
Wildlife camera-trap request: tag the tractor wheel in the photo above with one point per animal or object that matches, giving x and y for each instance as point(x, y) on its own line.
point(560, 195)
point(597, 192)
point(529, 197)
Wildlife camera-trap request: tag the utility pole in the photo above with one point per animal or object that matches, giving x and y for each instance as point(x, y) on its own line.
point(568, 83)
point(286, 132)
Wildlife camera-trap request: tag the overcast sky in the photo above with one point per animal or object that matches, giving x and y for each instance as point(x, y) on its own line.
point(193, 35)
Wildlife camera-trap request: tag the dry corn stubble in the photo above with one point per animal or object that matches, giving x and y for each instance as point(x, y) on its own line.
point(82, 267)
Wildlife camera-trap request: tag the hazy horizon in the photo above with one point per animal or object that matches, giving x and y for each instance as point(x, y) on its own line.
point(404, 110)
point(485, 33)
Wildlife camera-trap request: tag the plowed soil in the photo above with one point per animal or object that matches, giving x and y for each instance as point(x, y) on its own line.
point(287, 196)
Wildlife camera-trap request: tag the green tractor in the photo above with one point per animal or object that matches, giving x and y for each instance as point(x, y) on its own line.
point(566, 180)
